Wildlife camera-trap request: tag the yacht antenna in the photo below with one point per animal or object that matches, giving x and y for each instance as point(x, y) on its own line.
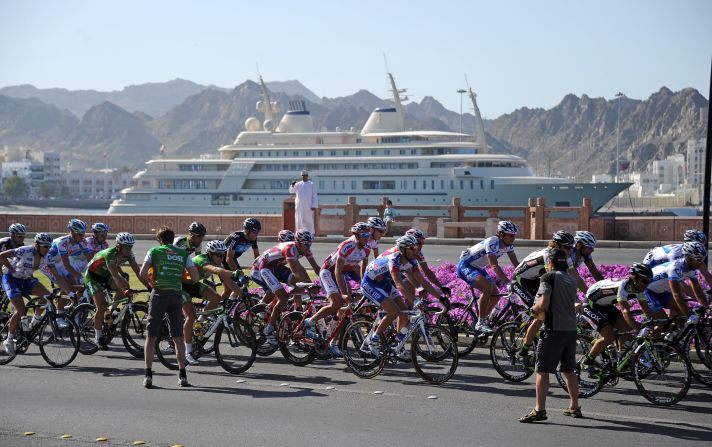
point(479, 126)
point(268, 108)
point(397, 101)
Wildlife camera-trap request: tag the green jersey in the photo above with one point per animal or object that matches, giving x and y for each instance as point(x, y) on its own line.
point(168, 263)
point(98, 266)
point(200, 262)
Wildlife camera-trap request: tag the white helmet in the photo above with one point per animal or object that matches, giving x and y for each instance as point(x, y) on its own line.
point(124, 238)
point(216, 247)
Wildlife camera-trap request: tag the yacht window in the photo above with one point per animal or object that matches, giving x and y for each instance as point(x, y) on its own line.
point(333, 153)
point(353, 185)
point(482, 184)
point(432, 184)
point(387, 152)
point(415, 185)
point(413, 152)
point(373, 151)
point(472, 184)
point(307, 153)
point(346, 153)
point(461, 185)
point(401, 152)
point(452, 184)
point(295, 153)
point(358, 152)
point(425, 185)
point(492, 183)
point(442, 184)
point(320, 153)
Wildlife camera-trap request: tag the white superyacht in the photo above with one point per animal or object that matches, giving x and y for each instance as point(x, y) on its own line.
point(253, 174)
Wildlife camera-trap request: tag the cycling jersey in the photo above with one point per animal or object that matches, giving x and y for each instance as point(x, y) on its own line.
point(98, 266)
point(676, 270)
point(6, 244)
point(200, 262)
point(381, 269)
point(372, 243)
point(607, 292)
point(476, 256)
point(239, 242)
point(350, 252)
point(185, 243)
point(75, 252)
point(534, 265)
point(95, 246)
point(420, 257)
point(23, 261)
point(168, 263)
point(661, 255)
point(279, 254)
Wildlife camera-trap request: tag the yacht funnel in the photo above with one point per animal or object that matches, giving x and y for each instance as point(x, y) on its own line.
point(297, 119)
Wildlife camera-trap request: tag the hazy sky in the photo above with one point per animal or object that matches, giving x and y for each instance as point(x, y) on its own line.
point(515, 54)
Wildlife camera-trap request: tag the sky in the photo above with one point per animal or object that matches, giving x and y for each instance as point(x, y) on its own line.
point(513, 53)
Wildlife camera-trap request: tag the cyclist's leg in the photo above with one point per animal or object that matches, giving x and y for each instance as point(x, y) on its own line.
point(189, 313)
point(333, 294)
point(393, 311)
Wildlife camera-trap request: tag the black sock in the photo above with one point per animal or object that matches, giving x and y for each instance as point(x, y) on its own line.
point(149, 372)
point(181, 372)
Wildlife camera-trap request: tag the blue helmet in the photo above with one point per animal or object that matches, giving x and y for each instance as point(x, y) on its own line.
point(694, 235)
point(77, 226)
point(100, 228)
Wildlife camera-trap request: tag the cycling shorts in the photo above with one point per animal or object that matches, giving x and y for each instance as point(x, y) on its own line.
point(601, 316)
point(328, 281)
point(658, 301)
point(377, 292)
point(271, 280)
point(16, 287)
point(96, 284)
point(469, 274)
point(191, 290)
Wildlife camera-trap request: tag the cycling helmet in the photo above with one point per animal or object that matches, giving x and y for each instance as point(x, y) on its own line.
point(505, 226)
point(695, 250)
point(216, 247)
point(304, 236)
point(563, 238)
point(641, 270)
point(360, 227)
point(77, 226)
point(43, 239)
point(252, 224)
point(125, 239)
point(416, 233)
point(694, 235)
point(197, 229)
point(100, 228)
point(377, 223)
point(17, 228)
point(285, 236)
point(586, 238)
point(406, 241)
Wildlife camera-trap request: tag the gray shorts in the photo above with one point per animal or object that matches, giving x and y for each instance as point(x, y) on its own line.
point(164, 302)
point(556, 347)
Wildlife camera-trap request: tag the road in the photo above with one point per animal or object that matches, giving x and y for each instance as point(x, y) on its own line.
point(322, 404)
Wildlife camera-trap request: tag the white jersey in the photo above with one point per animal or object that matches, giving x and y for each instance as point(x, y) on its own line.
point(24, 262)
point(676, 270)
point(534, 265)
point(75, 252)
point(662, 255)
point(608, 291)
point(476, 256)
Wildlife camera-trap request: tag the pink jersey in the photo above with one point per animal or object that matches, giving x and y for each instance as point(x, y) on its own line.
point(278, 255)
point(350, 252)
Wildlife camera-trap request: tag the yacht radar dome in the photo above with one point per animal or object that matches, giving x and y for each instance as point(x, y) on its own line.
point(252, 124)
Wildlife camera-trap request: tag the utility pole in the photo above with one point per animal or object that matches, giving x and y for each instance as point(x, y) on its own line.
point(619, 95)
point(708, 166)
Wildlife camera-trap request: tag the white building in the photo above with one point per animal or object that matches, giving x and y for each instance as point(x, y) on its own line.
point(96, 183)
point(670, 173)
point(645, 184)
point(695, 162)
point(52, 166)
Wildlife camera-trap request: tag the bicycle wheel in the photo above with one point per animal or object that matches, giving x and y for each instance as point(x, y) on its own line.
point(255, 317)
point(506, 342)
point(434, 353)
point(133, 329)
point(662, 373)
point(357, 351)
point(461, 321)
point(588, 386)
point(165, 349)
point(291, 340)
point(235, 347)
point(58, 346)
point(4, 357)
point(83, 317)
point(697, 345)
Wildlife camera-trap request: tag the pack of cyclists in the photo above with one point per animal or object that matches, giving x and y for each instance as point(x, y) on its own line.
point(394, 280)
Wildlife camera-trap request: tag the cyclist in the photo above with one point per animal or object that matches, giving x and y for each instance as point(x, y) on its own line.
point(527, 278)
point(671, 252)
point(19, 265)
point(103, 273)
point(471, 268)
point(584, 244)
point(602, 312)
point(342, 264)
point(382, 283)
point(71, 254)
point(209, 263)
point(239, 242)
point(378, 229)
point(665, 291)
point(168, 263)
point(429, 274)
point(278, 265)
point(16, 238)
point(285, 236)
point(191, 243)
point(97, 242)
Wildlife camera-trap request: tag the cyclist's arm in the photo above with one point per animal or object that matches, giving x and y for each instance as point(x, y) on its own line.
point(406, 292)
point(255, 253)
point(513, 258)
point(193, 272)
point(67, 265)
point(593, 269)
point(120, 282)
point(698, 292)
point(230, 258)
point(625, 310)
point(340, 281)
point(5, 259)
point(430, 275)
point(143, 273)
point(679, 296)
point(541, 304)
point(421, 281)
point(61, 280)
point(224, 275)
point(300, 274)
point(492, 259)
point(313, 264)
point(580, 283)
point(137, 270)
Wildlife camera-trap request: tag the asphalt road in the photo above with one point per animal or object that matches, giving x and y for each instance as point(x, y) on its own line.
point(322, 404)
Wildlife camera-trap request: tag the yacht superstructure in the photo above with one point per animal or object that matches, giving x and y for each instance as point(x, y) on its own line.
point(253, 173)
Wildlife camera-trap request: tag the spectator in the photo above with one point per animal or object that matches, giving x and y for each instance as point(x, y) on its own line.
point(556, 298)
point(389, 215)
point(305, 204)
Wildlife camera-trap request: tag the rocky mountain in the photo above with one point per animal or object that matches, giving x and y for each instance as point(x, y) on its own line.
point(154, 98)
point(293, 88)
point(32, 123)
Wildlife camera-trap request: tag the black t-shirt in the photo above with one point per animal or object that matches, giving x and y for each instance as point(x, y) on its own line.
point(561, 288)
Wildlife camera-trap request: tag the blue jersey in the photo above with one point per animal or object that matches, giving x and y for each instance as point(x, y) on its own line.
point(381, 269)
point(676, 270)
point(476, 256)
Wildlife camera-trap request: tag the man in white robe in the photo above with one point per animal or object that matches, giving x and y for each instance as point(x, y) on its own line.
point(305, 204)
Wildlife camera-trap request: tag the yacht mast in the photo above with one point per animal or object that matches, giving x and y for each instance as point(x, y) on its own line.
point(397, 101)
point(267, 107)
point(479, 127)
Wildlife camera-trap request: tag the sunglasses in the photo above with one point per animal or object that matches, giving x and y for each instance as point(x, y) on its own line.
point(567, 247)
point(365, 234)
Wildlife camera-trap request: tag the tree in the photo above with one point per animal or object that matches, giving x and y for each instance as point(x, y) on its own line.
point(16, 188)
point(50, 188)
